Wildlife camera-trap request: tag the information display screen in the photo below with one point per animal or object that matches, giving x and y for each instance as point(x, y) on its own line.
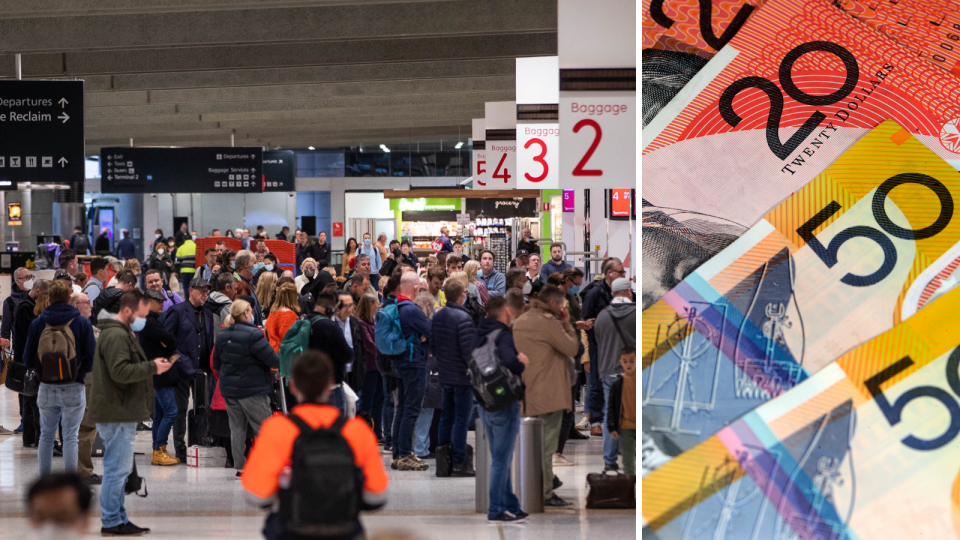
point(621, 204)
point(181, 170)
point(568, 198)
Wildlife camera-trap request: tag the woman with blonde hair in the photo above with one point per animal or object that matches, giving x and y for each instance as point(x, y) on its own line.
point(308, 273)
point(245, 361)
point(265, 291)
point(284, 312)
point(472, 268)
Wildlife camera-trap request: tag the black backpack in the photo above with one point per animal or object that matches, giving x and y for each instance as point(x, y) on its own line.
point(326, 487)
point(494, 386)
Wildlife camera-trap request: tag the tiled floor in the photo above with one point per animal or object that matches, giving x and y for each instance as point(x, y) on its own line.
point(209, 503)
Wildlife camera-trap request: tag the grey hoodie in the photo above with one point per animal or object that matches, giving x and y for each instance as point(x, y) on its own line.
point(609, 342)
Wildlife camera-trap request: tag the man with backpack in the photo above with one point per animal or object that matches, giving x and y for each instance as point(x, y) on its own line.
point(402, 332)
point(220, 300)
point(60, 347)
point(98, 276)
point(453, 336)
point(501, 425)
point(327, 337)
point(616, 328)
point(122, 397)
point(283, 476)
point(109, 298)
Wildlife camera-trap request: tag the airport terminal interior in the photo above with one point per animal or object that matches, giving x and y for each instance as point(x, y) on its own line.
point(357, 153)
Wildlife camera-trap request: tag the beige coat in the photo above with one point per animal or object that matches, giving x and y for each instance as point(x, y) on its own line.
point(550, 345)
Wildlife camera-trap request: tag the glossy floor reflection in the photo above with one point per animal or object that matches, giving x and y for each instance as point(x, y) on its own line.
point(209, 503)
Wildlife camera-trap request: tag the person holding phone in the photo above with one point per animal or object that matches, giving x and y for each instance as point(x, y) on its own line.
point(157, 342)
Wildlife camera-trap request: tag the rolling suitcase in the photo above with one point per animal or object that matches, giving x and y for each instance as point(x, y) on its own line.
point(611, 490)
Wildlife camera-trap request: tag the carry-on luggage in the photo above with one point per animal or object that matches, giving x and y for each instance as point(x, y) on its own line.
point(611, 490)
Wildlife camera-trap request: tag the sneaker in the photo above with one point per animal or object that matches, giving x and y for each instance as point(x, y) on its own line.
point(144, 427)
point(556, 482)
point(162, 458)
point(19, 428)
point(505, 517)
point(608, 468)
point(521, 514)
point(31, 445)
point(411, 463)
point(431, 455)
point(575, 435)
point(560, 461)
point(5, 431)
point(596, 431)
point(556, 502)
point(584, 423)
point(93, 480)
point(387, 449)
point(124, 529)
point(57, 450)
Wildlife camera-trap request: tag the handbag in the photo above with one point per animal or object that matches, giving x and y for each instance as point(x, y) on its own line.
point(4, 360)
point(134, 483)
point(22, 380)
point(615, 490)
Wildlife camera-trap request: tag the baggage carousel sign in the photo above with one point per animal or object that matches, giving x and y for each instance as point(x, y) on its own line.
point(181, 170)
point(41, 131)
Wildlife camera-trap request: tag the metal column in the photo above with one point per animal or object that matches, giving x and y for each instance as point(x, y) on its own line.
point(528, 465)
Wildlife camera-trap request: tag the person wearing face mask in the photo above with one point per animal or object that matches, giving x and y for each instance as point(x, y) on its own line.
point(122, 397)
point(17, 293)
point(270, 264)
point(187, 257)
point(58, 507)
point(367, 248)
point(308, 274)
point(22, 319)
point(161, 260)
point(244, 360)
point(156, 341)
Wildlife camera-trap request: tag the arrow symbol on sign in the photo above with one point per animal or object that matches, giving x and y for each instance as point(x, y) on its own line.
point(109, 178)
point(63, 162)
point(63, 103)
point(64, 117)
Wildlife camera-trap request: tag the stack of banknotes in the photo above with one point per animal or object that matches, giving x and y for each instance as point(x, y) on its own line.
point(801, 245)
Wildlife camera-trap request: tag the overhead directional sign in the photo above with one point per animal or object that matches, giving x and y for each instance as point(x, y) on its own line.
point(181, 170)
point(279, 170)
point(41, 131)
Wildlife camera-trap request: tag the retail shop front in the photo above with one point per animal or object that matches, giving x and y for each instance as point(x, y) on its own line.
point(480, 219)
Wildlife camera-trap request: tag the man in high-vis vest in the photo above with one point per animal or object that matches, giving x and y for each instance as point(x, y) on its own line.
point(187, 256)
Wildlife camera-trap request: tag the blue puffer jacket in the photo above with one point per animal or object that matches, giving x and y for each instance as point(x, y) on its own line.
point(451, 342)
point(243, 357)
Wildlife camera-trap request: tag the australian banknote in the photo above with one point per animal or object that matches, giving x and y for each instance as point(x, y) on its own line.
point(784, 98)
point(827, 269)
point(866, 448)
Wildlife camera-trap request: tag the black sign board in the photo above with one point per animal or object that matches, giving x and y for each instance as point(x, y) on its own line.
point(181, 170)
point(41, 131)
point(503, 208)
point(279, 170)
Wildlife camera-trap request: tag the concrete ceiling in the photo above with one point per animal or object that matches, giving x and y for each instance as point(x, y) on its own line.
point(278, 73)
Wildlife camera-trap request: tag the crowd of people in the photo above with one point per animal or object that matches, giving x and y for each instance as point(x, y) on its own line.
point(116, 353)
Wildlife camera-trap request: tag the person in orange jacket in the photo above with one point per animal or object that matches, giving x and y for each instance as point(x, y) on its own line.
point(270, 460)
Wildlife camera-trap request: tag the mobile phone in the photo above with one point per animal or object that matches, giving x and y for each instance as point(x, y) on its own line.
point(174, 358)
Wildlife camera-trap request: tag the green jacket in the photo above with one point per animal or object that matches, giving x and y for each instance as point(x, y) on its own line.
point(122, 376)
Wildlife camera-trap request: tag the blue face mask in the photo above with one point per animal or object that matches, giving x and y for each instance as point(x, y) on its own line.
point(575, 289)
point(366, 242)
point(233, 264)
point(268, 267)
point(257, 267)
point(138, 324)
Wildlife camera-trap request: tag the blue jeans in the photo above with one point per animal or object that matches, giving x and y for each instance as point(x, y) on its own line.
point(117, 465)
point(421, 444)
point(501, 428)
point(389, 409)
point(164, 415)
point(594, 400)
point(338, 399)
point(610, 445)
point(411, 382)
point(60, 403)
point(371, 400)
point(455, 419)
